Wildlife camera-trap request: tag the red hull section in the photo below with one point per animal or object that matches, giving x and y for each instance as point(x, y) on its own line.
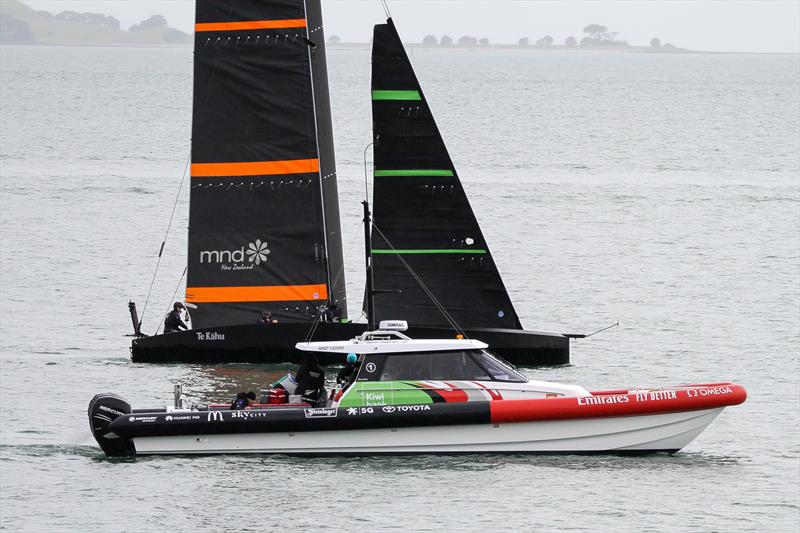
point(619, 403)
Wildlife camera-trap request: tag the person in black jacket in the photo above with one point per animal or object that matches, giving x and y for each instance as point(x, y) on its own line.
point(173, 322)
point(310, 381)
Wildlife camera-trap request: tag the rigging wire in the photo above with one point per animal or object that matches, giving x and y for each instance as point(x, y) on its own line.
point(318, 319)
point(386, 9)
point(164, 241)
point(178, 286)
point(452, 321)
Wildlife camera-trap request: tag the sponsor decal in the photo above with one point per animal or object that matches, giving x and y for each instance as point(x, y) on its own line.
point(215, 416)
point(389, 409)
point(110, 410)
point(334, 348)
point(245, 258)
point(170, 418)
point(708, 391)
point(248, 414)
point(412, 408)
point(374, 398)
point(602, 400)
point(210, 336)
point(360, 411)
point(371, 367)
point(144, 419)
point(656, 395)
point(324, 412)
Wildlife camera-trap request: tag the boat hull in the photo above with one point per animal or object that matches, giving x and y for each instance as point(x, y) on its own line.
point(636, 421)
point(667, 432)
point(256, 343)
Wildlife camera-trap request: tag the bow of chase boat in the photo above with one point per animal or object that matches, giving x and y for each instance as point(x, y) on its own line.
point(424, 396)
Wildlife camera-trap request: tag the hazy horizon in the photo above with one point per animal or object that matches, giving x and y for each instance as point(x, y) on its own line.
point(733, 26)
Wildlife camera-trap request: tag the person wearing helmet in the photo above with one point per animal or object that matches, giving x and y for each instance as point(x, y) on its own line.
point(348, 372)
point(174, 322)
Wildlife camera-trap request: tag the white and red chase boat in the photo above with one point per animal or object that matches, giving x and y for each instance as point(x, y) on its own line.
point(425, 396)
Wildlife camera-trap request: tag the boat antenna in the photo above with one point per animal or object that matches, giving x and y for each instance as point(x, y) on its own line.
point(366, 173)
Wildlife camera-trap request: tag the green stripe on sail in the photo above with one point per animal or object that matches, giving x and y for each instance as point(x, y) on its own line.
point(396, 95)
point(430, 251)
point(414, 172)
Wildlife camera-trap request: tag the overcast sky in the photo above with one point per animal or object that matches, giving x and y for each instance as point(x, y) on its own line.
point(722, 25)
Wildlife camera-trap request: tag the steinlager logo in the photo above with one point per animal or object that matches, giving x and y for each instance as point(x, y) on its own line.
point(254, 253)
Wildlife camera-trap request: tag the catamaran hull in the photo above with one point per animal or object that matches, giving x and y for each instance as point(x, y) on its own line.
point(668, 432)
point(255, 343)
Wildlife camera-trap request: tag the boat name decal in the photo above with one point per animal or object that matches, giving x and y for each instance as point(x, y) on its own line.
point(210, 336)
point(709, 391)
point(215, 416)
point(656, 395)
point(144, 419)
point(322, 412)
point(334, 348)
point(110, 410)
point(245, 258)
point(170, 418)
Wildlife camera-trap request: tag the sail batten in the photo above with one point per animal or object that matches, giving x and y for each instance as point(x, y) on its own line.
point(263, 221)
point(421, 213)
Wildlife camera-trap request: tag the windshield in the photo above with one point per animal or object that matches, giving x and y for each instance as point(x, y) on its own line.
point(496, 368)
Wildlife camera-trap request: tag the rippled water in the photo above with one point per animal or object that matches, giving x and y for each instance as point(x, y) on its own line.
point(660, 190)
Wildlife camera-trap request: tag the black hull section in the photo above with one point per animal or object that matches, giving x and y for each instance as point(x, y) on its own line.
point(261, 344)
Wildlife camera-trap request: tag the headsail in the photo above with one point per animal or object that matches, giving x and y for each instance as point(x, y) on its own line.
point(421, 213)
point(264, 232)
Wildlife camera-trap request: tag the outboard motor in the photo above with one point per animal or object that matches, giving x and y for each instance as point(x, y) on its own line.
point(104, 409)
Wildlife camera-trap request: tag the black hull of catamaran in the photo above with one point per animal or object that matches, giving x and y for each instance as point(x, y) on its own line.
point(275, 344)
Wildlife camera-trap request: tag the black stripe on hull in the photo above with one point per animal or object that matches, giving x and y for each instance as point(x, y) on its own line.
point(289, 420)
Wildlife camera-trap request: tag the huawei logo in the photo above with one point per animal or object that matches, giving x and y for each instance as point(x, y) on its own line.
point(257, 252)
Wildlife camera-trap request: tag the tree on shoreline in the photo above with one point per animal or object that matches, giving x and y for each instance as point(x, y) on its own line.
point(523, 41)
point(430, 40)
point(655, 42)
point(571, 41)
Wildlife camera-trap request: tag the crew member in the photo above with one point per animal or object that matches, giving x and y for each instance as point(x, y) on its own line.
point(346, 374)
point(311, 381)
point(173, 322)
point(266, 318)
point(243, 401)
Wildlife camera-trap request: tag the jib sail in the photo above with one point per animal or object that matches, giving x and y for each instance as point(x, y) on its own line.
point(264, 232)
point(422, 218)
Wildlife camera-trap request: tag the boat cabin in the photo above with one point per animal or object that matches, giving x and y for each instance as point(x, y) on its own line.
point(393, 369)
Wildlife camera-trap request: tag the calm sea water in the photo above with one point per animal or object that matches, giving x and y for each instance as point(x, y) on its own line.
point(659, 190)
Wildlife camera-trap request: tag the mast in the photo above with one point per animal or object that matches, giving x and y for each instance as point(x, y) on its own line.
point(369, 296)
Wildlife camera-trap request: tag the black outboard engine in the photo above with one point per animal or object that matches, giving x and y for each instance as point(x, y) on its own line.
point(104, 409)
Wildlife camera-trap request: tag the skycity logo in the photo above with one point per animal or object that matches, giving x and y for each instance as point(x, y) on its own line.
point(245, 258)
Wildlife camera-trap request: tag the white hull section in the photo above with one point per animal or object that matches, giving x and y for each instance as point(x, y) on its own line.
point(643, 433)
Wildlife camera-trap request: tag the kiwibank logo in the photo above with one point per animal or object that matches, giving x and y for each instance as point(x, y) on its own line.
point(245, 258)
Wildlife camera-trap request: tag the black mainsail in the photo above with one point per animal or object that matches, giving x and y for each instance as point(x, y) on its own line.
point(423, 222)
point(264, 232)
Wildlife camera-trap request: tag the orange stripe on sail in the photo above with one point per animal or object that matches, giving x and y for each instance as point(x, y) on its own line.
point(269, 293)
point(255, 168)
point(250, 25)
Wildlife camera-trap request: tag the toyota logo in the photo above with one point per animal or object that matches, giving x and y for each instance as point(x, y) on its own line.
point(389, 409)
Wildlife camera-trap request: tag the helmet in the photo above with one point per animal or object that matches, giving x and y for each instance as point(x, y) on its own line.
point(352, 358)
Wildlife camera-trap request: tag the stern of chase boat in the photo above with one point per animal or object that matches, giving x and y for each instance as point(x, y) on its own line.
point(103, 410)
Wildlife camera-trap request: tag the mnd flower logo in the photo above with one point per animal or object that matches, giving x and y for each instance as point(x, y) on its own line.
point(257, 252)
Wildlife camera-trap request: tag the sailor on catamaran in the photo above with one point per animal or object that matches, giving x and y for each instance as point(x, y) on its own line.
point(173, 322)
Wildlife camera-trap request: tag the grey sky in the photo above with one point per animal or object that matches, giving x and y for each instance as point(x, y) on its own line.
point(723, 25)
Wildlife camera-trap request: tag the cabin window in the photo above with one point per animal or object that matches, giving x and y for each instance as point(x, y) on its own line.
point(499, 371)
point(437, 366)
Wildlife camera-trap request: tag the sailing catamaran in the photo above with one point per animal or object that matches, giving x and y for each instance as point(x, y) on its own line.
point(264, 230)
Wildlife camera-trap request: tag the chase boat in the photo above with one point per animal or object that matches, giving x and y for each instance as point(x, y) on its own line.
point(409, 396)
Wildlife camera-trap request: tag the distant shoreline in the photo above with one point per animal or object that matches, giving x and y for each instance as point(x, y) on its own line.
point(423, 47)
